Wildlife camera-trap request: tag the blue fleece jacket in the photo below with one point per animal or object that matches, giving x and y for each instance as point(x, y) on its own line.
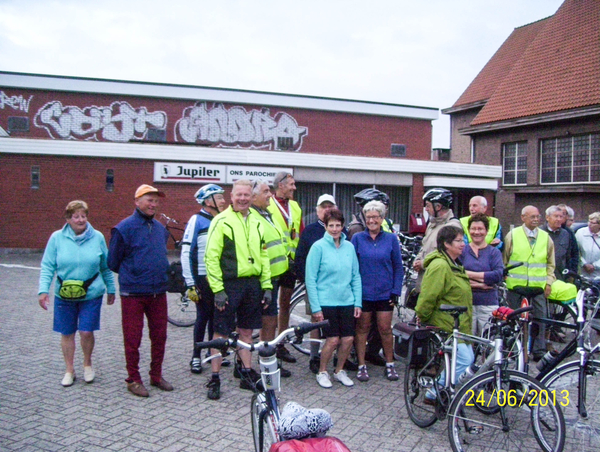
point(332, 274)
point(380, 263)
point(138, 253)
point(78, 258)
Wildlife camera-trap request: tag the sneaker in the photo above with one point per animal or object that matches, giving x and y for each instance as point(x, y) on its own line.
point(284, 372)
point(138, 389)
point(391, 374)
point(214, 389)
point(284, 354)
point(343, 378)
point(251, 381)
point(314, 365)
point(88, 374)
point(362, 374)
point(196, 366)
point(323, 380)
point(68, 379)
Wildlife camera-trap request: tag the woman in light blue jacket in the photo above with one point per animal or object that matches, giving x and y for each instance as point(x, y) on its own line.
point(334, 291)
point(77, 255)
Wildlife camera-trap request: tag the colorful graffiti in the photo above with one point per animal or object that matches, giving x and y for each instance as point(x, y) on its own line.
point(15, 102)
point(236, 127)
point(118, 122)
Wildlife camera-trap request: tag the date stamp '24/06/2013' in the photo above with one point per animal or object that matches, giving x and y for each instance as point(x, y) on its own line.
point(517, 398)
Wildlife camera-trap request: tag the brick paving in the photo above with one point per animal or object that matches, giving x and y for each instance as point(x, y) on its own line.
point(38, 414)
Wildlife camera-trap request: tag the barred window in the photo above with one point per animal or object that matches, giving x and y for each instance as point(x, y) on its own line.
point(514, 163)
point(570, 160)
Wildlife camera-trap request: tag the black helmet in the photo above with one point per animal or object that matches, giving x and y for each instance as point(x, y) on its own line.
point(371, 194)
point(439, 195)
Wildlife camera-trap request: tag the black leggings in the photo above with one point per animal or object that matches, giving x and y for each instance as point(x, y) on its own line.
point(204, 313)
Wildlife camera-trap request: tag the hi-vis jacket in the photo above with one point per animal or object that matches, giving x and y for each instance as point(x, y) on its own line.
point(534, 255)
point(290, 223)
point(236, 249)
point(275, 243)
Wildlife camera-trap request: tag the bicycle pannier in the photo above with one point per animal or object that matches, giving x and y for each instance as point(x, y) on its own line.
point(411, 342)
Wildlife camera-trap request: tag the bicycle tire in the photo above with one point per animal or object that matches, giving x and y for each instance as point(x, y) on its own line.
point(417, 381)
point(583, 434)
point(525, 428)
point(181, 311)
point(264, 425)
point(565, 313)
point(298, 315)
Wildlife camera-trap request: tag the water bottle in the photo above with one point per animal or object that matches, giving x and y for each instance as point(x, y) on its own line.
point(546, 359)
point(466, 376)
point(270, 372)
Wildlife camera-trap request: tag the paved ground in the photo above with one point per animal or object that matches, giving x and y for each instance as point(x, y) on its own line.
point(38, 414)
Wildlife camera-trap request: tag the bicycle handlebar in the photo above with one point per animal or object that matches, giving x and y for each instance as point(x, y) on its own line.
point(517, 312)
point(233, 342)
point(511, 267)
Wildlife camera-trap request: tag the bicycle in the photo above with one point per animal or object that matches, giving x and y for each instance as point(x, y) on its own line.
point(265, 414)
point(181, 310)
point(580, 377)
point(477, 421)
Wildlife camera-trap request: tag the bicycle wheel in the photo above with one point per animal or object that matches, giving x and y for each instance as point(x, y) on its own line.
point(418, 381)
point(583, 434)
point(264, 428)
point(181, 311)
point(298, 314)
point(564, 313)
point(525, 420)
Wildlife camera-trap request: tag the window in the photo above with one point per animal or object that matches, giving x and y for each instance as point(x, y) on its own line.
point(110, 180)
point(514, 164)
point(285, 143)
point(571, 160)
point(35, 177)
point(398, 150)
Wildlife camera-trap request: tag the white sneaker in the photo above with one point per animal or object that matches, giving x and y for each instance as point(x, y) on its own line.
point(68, 379)
point(88, 374)
point(323, 380)
point(343, 378)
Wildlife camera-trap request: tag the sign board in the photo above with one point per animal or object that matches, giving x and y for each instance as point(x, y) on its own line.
point(195, 173)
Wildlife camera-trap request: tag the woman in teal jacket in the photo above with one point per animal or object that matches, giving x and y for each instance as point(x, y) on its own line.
point(334, 291)
point(77, 252)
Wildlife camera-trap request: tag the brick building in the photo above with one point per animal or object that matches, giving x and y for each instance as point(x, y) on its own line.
point(65, 138)
point(535, 109)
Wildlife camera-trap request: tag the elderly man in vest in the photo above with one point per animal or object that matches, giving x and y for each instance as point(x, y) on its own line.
point(277, 252)
point(534, 248)
point(478, 204)
point(288, 215)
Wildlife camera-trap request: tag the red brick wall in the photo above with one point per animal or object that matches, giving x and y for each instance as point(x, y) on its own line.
point(29, 216)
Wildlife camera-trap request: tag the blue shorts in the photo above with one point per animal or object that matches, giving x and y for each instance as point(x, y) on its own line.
point(70, 316)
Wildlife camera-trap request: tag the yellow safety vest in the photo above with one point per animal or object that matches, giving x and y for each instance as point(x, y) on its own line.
point(291, 230)
point(492, 230)
point(533, 272)
point(275, 243)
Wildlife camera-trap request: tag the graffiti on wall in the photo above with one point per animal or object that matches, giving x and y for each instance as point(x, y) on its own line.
point(238, 128)
point(15, 102)
point(117, 122)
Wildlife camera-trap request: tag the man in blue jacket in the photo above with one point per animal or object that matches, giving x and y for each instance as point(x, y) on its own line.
point(138, 253)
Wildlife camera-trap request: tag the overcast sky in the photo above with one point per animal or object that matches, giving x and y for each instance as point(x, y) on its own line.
point(410, 52)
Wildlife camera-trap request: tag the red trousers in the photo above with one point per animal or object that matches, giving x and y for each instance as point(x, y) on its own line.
point(133, 309)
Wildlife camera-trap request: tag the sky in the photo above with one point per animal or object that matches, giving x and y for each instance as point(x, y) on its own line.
point(420, 53)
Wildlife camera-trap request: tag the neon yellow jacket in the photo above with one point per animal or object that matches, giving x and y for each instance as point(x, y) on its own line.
point(236, 249)
point(275, 243)
point(290, 231)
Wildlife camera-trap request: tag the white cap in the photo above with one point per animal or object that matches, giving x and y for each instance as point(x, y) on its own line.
point(325, 198)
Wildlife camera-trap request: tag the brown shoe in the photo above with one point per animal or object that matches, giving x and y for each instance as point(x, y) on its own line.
point(162, 384)
point(137, 389)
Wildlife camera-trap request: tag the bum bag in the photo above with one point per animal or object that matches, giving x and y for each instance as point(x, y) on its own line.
point(72, 289)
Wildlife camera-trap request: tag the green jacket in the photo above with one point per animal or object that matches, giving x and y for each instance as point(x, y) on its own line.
point(444, 283)
point(236, 248)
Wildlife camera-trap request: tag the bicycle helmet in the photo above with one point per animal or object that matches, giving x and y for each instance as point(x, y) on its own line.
point(371, 194)
point(207, 191)
point(438, 195)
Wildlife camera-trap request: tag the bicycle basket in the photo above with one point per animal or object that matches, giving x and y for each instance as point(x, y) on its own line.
point(175, 282)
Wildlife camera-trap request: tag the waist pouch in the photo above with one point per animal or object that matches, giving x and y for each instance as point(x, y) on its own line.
point(72, 289)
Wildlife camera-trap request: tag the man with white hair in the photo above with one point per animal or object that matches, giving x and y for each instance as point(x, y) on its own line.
point(478, 204)
point(566, 253)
